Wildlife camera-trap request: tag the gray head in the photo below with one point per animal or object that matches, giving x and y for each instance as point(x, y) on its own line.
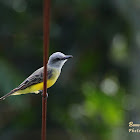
point(58, 59)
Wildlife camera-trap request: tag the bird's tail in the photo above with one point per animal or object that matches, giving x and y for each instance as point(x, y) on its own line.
point(8, 94)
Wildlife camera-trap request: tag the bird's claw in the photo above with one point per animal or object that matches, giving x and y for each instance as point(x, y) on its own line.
point(44, 96)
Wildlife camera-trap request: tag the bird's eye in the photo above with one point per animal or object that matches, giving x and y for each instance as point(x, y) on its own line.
point(58, 59)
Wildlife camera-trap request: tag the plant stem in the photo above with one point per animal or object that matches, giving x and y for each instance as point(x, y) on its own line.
point(46, 22)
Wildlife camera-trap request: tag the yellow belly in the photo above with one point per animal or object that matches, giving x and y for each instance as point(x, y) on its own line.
point(35, 88)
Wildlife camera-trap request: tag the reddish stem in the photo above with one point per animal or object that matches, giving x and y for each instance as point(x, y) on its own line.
point(46, 22)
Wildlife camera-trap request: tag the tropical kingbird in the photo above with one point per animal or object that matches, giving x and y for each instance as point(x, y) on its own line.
point(34, 83)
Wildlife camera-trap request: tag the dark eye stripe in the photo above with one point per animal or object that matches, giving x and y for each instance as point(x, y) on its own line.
point(55, 60)
point(58, 59)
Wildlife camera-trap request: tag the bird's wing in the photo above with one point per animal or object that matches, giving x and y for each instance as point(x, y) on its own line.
point(35, 78)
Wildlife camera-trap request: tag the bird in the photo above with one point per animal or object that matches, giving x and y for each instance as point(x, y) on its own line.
point(34, 83)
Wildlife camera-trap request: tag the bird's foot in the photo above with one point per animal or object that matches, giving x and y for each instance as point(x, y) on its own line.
point(44, 96)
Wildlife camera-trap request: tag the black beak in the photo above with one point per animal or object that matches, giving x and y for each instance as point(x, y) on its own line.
point(68, 56)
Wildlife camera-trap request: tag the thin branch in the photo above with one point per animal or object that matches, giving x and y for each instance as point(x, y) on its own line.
point(46, 22)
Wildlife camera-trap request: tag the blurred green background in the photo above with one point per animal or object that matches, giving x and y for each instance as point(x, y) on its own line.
point(97, 93)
